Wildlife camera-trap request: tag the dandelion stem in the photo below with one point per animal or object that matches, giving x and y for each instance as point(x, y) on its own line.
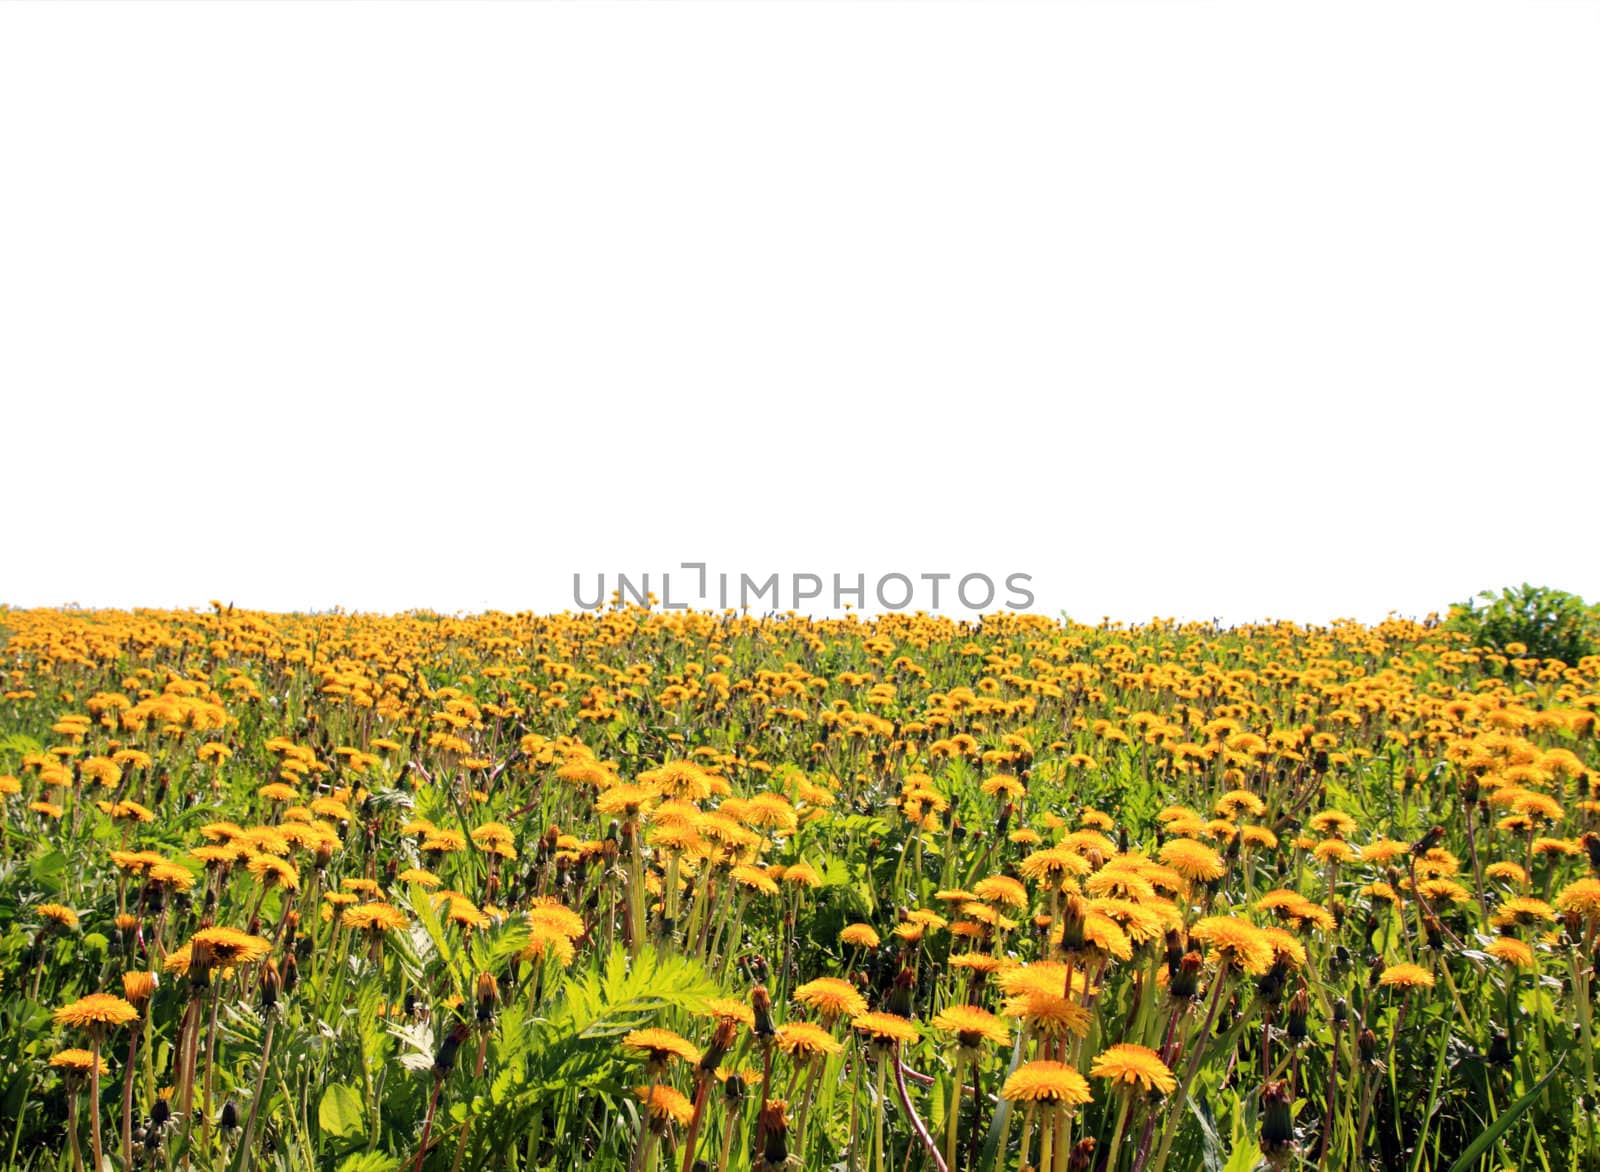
point(94, 1097)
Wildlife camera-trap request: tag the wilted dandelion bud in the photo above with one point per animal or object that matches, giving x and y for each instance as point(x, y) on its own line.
point(160, 1113)
point(775, 1126)
point(445, 1060)
point(722, 1040)
point(1590, 841)
point(1427, 842)
point(1367, 1042)
point(1175, 951)
point(761, 1003)
point(899, 998)
point(733, 1092)
point(291, 973)
point(1277, 1120)
point(1081, 1158)
point(1072, 920)
point(1336, 905)
point(1299, 1011)
point(229, 1117)
point(1341, 1012)
point(271, 984)
point(1185, 982)
point(488, 995)
point(1469, 789)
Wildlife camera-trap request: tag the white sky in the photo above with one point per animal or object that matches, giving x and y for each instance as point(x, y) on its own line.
point(1196, 309)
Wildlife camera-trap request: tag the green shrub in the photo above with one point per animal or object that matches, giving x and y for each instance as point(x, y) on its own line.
point(1550, 624)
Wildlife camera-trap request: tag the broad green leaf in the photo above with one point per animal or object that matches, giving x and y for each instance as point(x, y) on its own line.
point(339, 1113)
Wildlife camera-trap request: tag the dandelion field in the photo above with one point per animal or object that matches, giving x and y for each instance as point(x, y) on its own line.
point(633, 890)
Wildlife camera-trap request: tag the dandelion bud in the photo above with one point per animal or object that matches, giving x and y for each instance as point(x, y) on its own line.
point(1277, 1119)
point(899, 999)
point(733, 1092)
point(722, 1040)
point(291, 973)
point(1590, 841)
point(488, 994)
point(761, 1003)
point(1081, 1159)
point(775, 1125)
point(1072, 918)
point(1367, 1043)
point(445, 1060)
point(200, 962)
point(1299, 1011)
point(271, 984)
point(1427, 842)
point(1184, 983)
point(138, 987)
point(1174, 951)
point(229, 1118)
point(160, 1113)
point(324, 855)
point(1341, 1012)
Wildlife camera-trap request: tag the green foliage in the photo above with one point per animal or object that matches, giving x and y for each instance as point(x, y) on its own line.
point(1551, 624)
point(339, 1113)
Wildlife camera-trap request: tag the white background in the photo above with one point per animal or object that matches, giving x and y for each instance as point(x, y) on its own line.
point(1199, 309)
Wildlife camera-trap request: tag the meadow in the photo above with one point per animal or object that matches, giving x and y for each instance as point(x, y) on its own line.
point(643, 891)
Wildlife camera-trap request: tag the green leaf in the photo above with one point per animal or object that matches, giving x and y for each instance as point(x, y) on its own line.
point(339, 1113)
point(369, 1162)
point(1510, 1115)
point(47, 867)
point(1244, 1157)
